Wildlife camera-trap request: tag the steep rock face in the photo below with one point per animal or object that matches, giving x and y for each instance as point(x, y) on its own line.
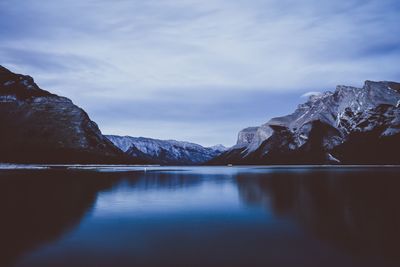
point(246, 136)
point(165, 152)
point(349, 126)
point(40, 127)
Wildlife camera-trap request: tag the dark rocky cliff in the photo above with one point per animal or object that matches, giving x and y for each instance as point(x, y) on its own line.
point(40, 127)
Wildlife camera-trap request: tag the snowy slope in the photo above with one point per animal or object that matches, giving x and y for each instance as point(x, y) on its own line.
point(319, 129)
point(166, 151)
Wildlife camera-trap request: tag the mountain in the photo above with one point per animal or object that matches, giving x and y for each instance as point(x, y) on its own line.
point(165, 152)
point(41, 127)
point(348, 126)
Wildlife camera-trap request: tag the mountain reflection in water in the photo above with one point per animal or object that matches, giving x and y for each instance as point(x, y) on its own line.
point(201, 217)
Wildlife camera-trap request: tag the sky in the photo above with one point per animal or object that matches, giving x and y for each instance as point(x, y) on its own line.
point(197, 70)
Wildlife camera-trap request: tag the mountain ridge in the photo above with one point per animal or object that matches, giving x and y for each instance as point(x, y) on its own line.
point(321, 130)
point(41, 127)
point(166, 152)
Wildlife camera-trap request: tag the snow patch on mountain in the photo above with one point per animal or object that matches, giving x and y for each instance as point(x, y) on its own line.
point(166, 151)
point(348, 110)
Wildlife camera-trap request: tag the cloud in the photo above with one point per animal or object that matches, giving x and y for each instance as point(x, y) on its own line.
point(142, 51)
point(308, 94)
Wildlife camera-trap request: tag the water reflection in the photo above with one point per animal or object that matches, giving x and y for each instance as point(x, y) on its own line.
point(200, 217)
point(357, 210)
point(39, 206)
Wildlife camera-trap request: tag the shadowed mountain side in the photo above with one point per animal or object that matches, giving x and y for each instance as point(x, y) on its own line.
point(40, 127)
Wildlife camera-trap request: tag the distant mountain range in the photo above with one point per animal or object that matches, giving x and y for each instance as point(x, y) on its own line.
point(348, 126)
point(165, 152)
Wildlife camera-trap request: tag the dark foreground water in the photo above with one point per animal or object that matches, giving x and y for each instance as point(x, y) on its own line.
point(201, 217)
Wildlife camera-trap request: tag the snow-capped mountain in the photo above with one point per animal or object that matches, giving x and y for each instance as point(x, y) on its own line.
point(349, 126)
point(40, 127)
point(166, 152)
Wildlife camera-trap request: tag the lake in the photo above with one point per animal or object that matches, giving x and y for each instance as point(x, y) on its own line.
point(200, 216)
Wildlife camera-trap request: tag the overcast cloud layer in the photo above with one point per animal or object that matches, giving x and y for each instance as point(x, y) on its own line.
point(197, 70)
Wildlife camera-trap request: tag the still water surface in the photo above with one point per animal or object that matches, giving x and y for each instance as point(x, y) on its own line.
point(200, 216)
